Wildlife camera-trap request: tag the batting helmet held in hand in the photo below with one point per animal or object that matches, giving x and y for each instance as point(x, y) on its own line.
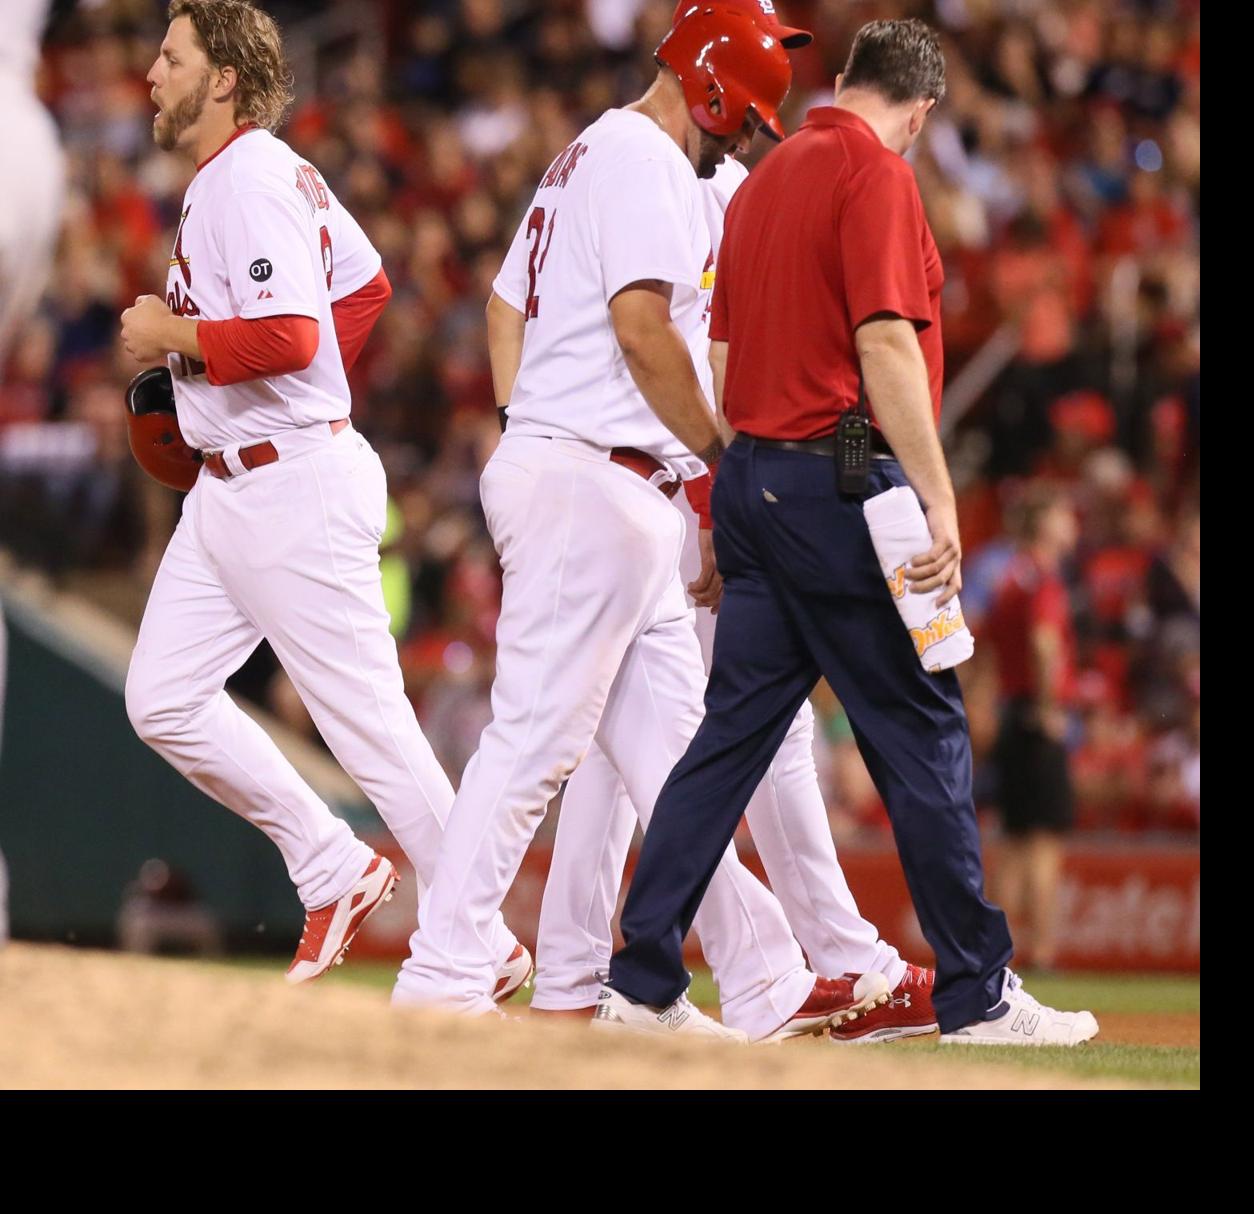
point(728, 66)
point(762, 12)
point(153, 429)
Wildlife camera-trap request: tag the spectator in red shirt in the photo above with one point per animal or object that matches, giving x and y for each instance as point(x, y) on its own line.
point(1029, 627)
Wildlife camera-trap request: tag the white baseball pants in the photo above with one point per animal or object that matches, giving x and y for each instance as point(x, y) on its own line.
point(595, 641)
point(788, 821)
point(290, 551)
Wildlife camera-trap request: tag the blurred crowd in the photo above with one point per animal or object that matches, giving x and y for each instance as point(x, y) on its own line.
point(1062, 180)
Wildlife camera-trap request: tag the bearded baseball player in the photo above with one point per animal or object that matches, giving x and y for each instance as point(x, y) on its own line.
point(787, 816)
point(595, 642)
point(272, 291)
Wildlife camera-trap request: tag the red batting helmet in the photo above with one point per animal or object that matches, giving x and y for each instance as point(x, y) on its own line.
point(761, 11)
point(153, 429)
point(722, 56)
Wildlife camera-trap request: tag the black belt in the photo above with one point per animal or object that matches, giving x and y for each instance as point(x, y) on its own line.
point(814, 446)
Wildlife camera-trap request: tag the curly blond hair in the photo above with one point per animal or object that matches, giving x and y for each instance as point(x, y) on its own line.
point(233, 33)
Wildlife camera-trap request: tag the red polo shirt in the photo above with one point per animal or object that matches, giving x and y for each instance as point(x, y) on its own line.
point(1028, 597)
point(827, 232)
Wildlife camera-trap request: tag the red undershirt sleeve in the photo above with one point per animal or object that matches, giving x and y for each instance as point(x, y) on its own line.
point(697, 491)
point(236, 350)
point(355, 316)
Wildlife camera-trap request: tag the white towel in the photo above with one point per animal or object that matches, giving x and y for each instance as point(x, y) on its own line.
point(898, 532)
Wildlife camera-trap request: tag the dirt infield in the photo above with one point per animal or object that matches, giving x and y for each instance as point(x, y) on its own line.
point(1146, 1028)
point(77, 1019)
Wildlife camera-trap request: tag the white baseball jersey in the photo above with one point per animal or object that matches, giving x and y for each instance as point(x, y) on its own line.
point(32, 172)
point(620, 204)
point(24, 22)
point(262, 235)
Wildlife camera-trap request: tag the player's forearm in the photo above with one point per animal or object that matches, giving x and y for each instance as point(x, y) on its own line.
point(718, 364)
point(181, 335)
point(662, 369)
point(896, 381)
point(506, 326)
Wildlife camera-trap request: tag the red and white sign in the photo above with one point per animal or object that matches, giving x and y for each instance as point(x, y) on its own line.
point(1122, 907)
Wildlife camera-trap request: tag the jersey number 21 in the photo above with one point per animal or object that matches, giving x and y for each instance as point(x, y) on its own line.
point(535, 229)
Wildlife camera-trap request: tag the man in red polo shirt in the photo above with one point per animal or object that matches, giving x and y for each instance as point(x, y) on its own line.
point(828, 284)
point(1029, 625)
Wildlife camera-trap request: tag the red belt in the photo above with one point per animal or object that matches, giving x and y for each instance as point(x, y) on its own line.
point(644, 465)
point(256, 456)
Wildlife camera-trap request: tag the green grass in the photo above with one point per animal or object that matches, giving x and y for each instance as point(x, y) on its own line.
point(1097, 992)
point(1160, 1066)
point(1117, 992)
point(1157, 1065)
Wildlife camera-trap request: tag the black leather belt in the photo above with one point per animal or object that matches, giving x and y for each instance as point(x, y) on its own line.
point(815, 446)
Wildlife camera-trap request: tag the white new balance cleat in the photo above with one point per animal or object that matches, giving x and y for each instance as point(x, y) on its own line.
point(616, 1012)
point(1020, 1020)
point(515, 974)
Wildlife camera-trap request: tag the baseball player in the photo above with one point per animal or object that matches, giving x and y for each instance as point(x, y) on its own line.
point(32, 172)
point(272, 291)
point(595, 640)
point(787, 816)
point(32, 184)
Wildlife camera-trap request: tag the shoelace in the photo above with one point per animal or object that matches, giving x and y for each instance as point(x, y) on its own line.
point(1015, 983)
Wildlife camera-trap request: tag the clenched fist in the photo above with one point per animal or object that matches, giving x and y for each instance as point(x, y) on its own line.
point(146, 329)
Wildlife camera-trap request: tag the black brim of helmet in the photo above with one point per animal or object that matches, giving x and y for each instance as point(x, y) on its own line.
point(792, 38)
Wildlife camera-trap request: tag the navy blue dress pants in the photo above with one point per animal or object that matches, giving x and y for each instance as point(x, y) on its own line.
point(804, 597)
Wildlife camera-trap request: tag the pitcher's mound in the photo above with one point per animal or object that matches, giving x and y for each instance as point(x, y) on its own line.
point(77, 1019)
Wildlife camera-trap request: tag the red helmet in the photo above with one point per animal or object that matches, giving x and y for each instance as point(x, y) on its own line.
point(721, 55)
point(761, 11)
point(153, 429)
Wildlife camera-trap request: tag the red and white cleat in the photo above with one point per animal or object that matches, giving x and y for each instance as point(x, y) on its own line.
point(833, 1001)
point(329, 931)
point(908, 1014)
point(514, 974)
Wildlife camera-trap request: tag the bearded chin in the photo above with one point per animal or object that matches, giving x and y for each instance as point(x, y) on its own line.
point(173, 122)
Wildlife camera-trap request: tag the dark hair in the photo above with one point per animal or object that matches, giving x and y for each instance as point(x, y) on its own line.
point(233, 33)
point(1028, 512)
point(900, 59)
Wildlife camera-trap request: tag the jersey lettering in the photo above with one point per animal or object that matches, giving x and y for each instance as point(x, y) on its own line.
point(186, 368)
point(180, 302)
point(561, 169)
point(535, 227)
point(569, 167)
point(310, 185)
